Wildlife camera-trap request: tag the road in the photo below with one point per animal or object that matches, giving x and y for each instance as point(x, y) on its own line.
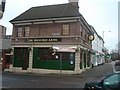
point(20, 80)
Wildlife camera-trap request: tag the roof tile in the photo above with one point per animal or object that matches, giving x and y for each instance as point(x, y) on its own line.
point(50, 11)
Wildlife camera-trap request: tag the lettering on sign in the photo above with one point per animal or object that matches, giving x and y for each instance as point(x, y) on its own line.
point(43, 40)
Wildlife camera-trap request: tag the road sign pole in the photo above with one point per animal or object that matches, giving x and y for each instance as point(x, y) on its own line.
point(60, 63)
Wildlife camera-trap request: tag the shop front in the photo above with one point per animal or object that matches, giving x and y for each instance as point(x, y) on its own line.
point(48, 58)
point(51, 59)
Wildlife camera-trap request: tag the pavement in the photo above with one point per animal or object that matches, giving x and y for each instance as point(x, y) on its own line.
point(93, 72)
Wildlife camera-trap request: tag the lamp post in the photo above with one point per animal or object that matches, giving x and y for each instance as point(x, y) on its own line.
point(103, 32)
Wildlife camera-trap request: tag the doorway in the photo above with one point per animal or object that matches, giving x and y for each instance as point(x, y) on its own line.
point(21, 57)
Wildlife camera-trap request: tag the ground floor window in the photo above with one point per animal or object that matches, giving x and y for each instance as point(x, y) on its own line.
point(45, 54)
point(86, 57)
point(43, 58)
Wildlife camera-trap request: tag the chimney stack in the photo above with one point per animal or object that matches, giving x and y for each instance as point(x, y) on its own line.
point(74, 3)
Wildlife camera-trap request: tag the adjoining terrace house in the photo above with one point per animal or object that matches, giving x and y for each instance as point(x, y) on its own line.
point(51, 39)
point(98, 57)
point(5, 45)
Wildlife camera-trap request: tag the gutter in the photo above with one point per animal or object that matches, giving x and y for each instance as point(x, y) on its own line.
point(43, 20)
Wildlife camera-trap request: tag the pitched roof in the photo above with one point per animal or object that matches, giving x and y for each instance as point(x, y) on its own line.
point(47, 12)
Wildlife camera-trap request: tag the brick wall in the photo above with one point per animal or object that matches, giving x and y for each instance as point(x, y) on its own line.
point(2, 32)
point(53, 30)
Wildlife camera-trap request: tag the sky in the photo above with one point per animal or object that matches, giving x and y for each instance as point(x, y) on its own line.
point(101, 14)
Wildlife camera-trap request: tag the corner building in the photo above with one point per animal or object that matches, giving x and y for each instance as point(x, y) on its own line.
point(51, 39)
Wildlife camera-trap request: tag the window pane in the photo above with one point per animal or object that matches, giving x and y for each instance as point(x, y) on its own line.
point(112, 81)
point(45, 54)
point(19, 32)
point(65, 29)
point(65, 56)
point(27, 31)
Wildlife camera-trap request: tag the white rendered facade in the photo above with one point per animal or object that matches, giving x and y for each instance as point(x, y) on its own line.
point(97, 46)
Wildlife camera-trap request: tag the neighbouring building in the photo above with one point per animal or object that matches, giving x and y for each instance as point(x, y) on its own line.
point(5, 45)
point(51, 39)
point(2, 7)
point(98, 49)
point(115, 56)
point(2, 37)
point(2, 32)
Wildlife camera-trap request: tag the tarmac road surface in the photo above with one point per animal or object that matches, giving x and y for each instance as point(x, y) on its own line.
point(25, 80)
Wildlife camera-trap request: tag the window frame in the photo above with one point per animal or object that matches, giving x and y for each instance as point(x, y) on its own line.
point(26, 31)
point(81, 30)
point(19, 31)
point(65, 29)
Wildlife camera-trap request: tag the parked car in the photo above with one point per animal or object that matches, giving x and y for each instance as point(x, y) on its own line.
point(111, 82)
point(117, 62)
point(117, 66)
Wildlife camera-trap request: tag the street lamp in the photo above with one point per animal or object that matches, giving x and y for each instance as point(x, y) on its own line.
point(103, 32)
point(104, 38)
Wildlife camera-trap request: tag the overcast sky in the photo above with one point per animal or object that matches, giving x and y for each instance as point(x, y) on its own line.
point(101, 14)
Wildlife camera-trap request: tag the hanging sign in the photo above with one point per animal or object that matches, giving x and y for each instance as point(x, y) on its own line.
point(91, 37)
point(65, 48)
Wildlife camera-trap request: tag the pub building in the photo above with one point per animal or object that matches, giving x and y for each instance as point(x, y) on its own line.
point(51, 39)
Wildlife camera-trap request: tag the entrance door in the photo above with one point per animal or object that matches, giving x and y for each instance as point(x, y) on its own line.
point(25, 58)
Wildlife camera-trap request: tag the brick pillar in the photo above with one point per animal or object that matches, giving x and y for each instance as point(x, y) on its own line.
point(30, 58)
point(77, 62)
